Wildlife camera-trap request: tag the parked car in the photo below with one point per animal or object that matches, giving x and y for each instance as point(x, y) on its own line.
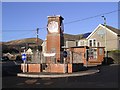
point(10, 56)
point(4, 58)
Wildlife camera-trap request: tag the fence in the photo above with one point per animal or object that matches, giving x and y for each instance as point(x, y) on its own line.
point(40, 57)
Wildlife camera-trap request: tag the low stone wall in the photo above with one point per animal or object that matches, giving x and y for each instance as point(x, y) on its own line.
point(115, 56)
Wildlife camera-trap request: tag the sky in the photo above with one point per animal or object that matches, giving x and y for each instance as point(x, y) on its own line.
point(21, 19)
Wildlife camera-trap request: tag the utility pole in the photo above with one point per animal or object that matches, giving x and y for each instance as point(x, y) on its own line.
point(105, 39)
point(37, 53)
point(37, 37)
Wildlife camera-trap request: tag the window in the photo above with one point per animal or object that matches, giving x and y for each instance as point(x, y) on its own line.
point(98, 44)
point(94, 42)
point(90, 43)
point(92, 53)
point(95, 53)
point(82, 43)
point(100, 51)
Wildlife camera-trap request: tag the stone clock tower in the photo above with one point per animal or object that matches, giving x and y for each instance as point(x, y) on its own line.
point(55, 38)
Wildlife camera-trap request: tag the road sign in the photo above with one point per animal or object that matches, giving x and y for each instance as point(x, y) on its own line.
point(24, 60)
point(65, 54)
point(23, 56)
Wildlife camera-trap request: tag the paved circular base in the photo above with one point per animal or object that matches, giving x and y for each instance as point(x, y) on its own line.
point(49, 75)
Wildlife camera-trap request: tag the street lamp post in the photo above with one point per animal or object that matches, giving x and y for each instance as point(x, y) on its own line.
point(105, 38)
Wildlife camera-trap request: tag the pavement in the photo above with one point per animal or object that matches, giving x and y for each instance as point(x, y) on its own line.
point(107, 78)
point(58, 75)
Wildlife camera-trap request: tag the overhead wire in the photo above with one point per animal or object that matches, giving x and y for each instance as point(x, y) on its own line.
point(91, 17)
point(71, 21)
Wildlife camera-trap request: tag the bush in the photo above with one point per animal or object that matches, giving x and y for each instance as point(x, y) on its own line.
point(116, 51)
point(107, 61)
point(19, 57)
point(115, 55)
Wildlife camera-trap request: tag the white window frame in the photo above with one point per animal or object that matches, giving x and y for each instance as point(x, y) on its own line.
point(93, 54)
point(92, 42)
point(89, 42)
point(99, 44)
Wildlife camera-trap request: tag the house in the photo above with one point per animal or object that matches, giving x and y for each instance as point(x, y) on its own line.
point(44, 46)
point(83, 41)
point(102, 36)
point(105, 36)
point(70, 43)
point(29, 51)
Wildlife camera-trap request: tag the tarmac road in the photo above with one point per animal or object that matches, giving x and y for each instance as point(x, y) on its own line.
point(106, 78)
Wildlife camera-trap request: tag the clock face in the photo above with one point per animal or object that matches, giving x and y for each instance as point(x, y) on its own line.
point(53, 26)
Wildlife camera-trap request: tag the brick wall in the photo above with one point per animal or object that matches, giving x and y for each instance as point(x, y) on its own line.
point(31, 67)
point(53, 42)
point(34, 67)
point(70, 68)
point(58, 68)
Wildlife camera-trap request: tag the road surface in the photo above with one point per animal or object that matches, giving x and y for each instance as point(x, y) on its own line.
point(106, 78)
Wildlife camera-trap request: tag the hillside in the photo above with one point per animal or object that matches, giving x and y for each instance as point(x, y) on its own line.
point(72, 37)
point(23, 41)
point(15, 45)
point(76, 37)
point(33, 40)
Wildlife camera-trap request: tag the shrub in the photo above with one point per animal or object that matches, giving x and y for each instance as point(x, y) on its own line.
point(116, 51)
